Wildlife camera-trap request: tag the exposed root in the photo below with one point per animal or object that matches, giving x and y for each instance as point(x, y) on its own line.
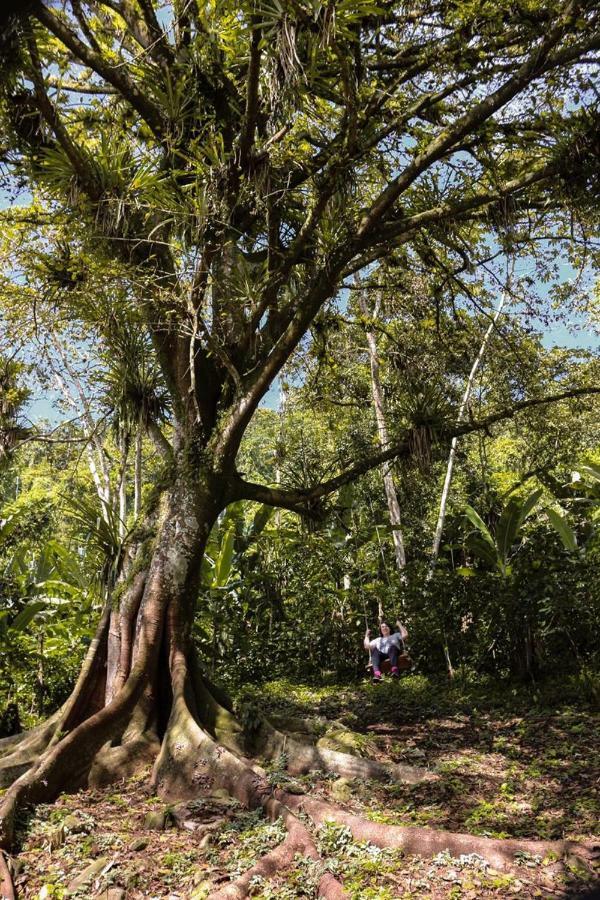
point(6, 883)
point(67, 763)
point(34, 740)
point(297, 841)
point(500, 853)
point(190, 758)
point(21, 751)
point(303, 757)
point(28, 747)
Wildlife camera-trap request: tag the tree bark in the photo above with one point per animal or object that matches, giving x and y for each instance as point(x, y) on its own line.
point(153, 705)
point(126, 702)
point(384, 442)
point(137, 477)
point(439, 528)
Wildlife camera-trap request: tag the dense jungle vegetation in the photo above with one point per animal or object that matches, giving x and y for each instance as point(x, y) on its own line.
point(299, 331)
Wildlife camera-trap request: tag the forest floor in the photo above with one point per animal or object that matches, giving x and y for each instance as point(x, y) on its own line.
point(511, 763)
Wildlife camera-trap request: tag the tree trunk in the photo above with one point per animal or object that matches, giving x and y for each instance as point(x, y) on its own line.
point(118, 712)
point(439, 528)
point(142, 699)
point(384, 441)
point(41, 681)
point(137, 477)
point(124, 451)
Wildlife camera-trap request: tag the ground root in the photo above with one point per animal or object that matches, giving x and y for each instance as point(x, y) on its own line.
point(7, 891)
point(35, 739)
point(21, 752)
point(297, 841)
point(303, 757)
point(500, 853)
point(191, 761)
point(65, 764)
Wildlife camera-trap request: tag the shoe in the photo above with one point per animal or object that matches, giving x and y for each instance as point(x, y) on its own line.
point(377, 679)
point(395, 674)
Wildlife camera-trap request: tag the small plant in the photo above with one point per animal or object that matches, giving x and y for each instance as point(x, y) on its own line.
point(333, 838)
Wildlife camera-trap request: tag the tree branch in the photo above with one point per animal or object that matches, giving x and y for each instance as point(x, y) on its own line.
point(75, 155)
point(252, 96)
point(462, 127)
point(114, 75)
point(303, 501)
point(160, 442)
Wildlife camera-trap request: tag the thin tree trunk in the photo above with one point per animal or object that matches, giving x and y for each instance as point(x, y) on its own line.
point(439, 528)
point(137, 478)
point(384, 441)
point(124, 449)
point(41, 678)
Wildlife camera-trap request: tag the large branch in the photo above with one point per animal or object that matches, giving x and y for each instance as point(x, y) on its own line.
point(294, 325)
point(259, 381)
point(114, 75)
point(539, 60)
point(76, 156)
point(394, 233)
point(305, 500)
point(252, 96)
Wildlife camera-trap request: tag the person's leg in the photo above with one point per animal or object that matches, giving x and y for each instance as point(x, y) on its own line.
point(376, 659)
point(394, 654)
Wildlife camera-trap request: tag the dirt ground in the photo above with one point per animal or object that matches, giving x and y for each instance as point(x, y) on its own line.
point(514, 770)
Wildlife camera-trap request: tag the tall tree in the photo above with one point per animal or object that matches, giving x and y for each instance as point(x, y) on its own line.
point(239, 161)
point(391, 495)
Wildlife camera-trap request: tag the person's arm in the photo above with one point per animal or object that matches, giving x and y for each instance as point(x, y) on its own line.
point(402, 630)
point(367, 640)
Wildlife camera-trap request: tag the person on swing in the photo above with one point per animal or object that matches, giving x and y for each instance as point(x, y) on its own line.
point(388, 646)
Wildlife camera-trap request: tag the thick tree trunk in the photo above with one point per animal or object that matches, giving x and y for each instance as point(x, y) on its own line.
point(121, 702)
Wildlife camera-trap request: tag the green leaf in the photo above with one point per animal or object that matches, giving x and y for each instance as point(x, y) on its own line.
point(476, 520)
point(22, 620)
point(225, 558)
point(261, 519)
point(592, 471)
point(513, 515)
point(481, 548)
point(562, 527)
point(7, 526)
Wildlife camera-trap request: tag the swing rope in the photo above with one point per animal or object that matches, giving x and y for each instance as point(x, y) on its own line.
point(381, 614)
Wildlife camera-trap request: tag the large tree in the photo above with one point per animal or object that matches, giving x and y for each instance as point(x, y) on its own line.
point(237, 162)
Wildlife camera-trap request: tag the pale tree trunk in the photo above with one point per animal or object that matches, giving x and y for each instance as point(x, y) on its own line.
point(439, 529)
point(282, 402)
point(137, 477)
point(124, 451)
point(41, 679)
point(384, 442)
point(454, 445)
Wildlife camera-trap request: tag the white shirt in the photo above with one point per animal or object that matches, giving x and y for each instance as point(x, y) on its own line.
point(383, 644)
